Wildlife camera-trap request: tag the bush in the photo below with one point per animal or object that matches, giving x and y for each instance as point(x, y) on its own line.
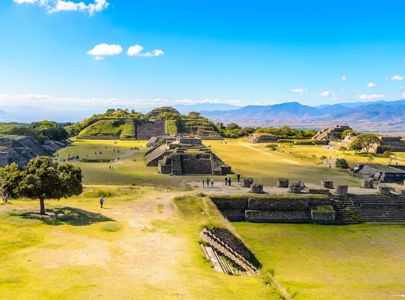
point(272, 147)
point(304, 142)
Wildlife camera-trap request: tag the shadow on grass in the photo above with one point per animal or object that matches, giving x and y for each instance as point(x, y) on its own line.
point(66, 215)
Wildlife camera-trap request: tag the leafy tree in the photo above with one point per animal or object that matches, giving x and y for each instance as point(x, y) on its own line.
point(10, 176)
point(365, 142)
point(194, 115)
point(232, 126)
point(347, 132)
point(42, 179)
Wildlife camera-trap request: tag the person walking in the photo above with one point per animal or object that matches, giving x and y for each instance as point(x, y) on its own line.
point(101, 201)
point(208, 182)
point(203, 182)
point(4, 196)
point(238, 177)
point(226, 180)
point(229, 181)
point(212, 183)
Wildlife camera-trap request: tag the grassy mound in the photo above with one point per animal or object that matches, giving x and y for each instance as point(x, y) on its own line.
point(112, 128)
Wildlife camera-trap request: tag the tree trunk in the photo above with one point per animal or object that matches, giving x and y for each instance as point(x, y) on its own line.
point(42, 206)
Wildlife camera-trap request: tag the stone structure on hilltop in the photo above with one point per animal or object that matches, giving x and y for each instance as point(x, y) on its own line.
point(387, 143)
point(185, 155)
point(380, 173)
point(262, 138)
point(21, 149)
point(329, 134)
point(391, 143)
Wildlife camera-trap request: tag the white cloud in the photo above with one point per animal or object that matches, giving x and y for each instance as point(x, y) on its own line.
point(344, 78)
point(299, 90)
point(326, 94)
point(371, 85)
point(136, 50)
point(397, 78)
point(156, 52)
point(102, 50)
point(54, 6)
point(370, 97)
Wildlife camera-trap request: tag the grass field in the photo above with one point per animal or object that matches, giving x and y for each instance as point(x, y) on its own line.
point(332, 262)
point(250, 160)
point(144, 244)
point(141, 246)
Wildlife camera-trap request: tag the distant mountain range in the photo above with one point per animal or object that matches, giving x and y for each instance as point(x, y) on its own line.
point(379, 116)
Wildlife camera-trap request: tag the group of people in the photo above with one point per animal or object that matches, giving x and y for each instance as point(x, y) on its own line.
point(228, 181)
point(208, 183)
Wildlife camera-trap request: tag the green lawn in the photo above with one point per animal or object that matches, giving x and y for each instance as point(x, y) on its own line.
point(144, 245)
point(250, 160)
point(141, 246)
point(257, 161)
point(332, 262)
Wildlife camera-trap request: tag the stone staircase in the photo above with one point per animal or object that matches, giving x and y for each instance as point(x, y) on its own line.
point(345, 212)
point(379, 209)
point(388, 211)
point(227, 251)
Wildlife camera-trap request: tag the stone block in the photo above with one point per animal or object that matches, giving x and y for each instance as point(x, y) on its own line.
point(342, 189)
point(327, 184)
point(282, 182)
point(384, 190)
point(296, 187)
point(319, 191)
point(247, 182)
point(256, 188)
point(367, 183)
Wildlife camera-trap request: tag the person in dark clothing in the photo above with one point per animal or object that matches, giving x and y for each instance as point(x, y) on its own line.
point(238, 177)
point(208, 182)
point(212, 183)
point(229, 181)
point(226, 180)
point(101, 201)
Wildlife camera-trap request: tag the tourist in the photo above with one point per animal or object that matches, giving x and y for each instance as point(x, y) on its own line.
point(226, 180)
point(4, 196)
point(203, 182)
point(212, 182)
point(208, 182)
point(229, 181)
point(238, 177)
point(101, 201)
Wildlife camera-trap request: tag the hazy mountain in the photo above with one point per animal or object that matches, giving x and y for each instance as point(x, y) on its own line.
point(383, 116)
point(185, 109)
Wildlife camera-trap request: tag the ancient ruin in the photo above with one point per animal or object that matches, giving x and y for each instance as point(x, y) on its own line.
point(339, 208)
point(329, 134)
point(380, 173)
point(21, 149)
point(185, 155)
point(387, 143)
point(262, 138)
point(227, 253)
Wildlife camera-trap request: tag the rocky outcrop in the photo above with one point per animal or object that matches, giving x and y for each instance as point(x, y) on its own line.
point(20, 149)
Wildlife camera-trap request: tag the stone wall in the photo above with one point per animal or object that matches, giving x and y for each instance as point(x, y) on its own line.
point(145, 129)
point(273, 210)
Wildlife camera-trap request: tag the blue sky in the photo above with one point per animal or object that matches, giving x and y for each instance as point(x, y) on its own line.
point(236, 52)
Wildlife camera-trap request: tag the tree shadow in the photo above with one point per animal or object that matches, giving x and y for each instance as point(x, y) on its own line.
point(67, 215)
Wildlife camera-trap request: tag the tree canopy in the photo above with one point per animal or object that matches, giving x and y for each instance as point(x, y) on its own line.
point(364, 142)
point(42, 179)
